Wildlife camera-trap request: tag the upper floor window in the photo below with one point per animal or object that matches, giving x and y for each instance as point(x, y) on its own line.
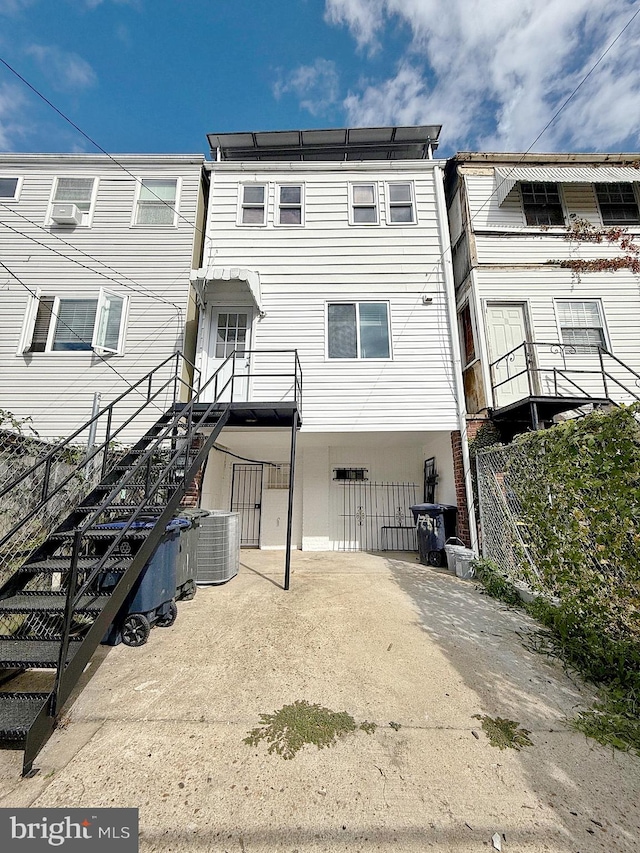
point(618, 204)
point(253, 204)
point(364, 204)
point(581, 324)
point(358, 330)
point(290, 199)
point(400, 204)
point(541, 203)
point(55, 324)
point(72, 202)
point(157, 200)
point(10, 188)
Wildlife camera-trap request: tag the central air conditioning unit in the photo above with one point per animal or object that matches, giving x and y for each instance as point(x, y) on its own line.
point(218, 547)
point(66, 214)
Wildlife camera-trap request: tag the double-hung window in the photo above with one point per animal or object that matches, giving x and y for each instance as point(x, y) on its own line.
point(358, 330)
point(364, 204)
point(542, 204)
point(157, 201)
point(581, 324)
point(618, 204)
point(400, 203)
point(290, 205)
point(55, 324)
point(253, 207)
point(9, 188)
point(78, 192)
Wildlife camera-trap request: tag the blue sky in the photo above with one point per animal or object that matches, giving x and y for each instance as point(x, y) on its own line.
point(157, 75)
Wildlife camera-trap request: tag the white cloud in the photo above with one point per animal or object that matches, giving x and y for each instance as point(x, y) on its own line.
point(65, 70)
point(495, 73)
point(12, 7)
point(11, 112)
point(316, 86)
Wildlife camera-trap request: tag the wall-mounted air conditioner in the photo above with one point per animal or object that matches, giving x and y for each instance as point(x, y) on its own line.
point(218, 547)
point(66, 214)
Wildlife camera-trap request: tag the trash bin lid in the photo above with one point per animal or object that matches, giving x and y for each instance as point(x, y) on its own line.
point(431, 509)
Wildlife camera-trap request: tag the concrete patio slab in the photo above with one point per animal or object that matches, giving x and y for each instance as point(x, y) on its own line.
point(162, 727)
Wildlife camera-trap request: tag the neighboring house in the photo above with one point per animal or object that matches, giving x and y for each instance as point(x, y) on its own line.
point(94, 271)
point(540, 340)
point(333, 244)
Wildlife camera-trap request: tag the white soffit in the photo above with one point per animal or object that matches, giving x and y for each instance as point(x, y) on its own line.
point(200, 278)
point(506, 177)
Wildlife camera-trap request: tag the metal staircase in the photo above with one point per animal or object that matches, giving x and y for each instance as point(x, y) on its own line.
point(54, 610)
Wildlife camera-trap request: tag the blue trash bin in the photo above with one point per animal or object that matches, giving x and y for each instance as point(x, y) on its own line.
point(435, 523)
point(151, 600)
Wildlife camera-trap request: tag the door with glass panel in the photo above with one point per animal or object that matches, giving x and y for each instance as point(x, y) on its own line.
point(230, 332)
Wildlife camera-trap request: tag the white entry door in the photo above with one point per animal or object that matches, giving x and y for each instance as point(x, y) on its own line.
point(230, 331)
point(507, 328)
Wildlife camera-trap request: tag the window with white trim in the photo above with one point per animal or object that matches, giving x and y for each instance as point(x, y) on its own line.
point(581, 324)
point(618, 204)
point(157, 201)
point(541, 203)
point(75, 191)
point(364, 204)
point(55, 324)
point(10, 188)
point(290, 205)
point(253, 204)
point(400, 203)
point(278, 476)
point(358, 330)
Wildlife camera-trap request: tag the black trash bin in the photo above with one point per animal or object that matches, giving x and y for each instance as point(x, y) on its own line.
point(435, 523)
point(187, 565)
point(151, 600)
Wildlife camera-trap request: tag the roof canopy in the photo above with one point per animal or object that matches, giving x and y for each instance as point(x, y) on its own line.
point(506, 177)
point(357, 143)
point(200, 278)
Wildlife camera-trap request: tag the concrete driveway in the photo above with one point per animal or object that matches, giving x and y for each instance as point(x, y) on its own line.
point(161, 727)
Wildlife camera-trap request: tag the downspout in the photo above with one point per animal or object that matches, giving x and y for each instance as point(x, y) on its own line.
point(450, 295)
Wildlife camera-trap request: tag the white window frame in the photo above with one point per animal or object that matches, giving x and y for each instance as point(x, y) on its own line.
point(357, 303)
point(279, 206)
point(242, 204)
point(278, 476)
point(87, 218)
point(390, 205)
point(633, 225)
point(353, 205)
point(176, 205)
point(603, 321)
point(26, 336)
point(18, 190)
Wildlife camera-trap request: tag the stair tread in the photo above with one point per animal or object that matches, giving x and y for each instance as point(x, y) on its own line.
point(122, 508)
point(60, 564)
point(138, 533)
point(35, 601)
point(16, 654)
point(17, 713)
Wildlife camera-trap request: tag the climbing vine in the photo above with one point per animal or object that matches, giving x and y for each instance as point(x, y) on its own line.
point(582, 231)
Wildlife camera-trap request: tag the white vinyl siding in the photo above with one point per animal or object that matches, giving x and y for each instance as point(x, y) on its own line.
point(148, 266)
point(157, 201)
point(302, 270)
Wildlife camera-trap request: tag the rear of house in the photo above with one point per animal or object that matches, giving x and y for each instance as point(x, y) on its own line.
point(95, 277)
point(546, 324)
point(330, 244)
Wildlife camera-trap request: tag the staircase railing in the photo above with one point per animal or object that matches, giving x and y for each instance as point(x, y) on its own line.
point(543, 369)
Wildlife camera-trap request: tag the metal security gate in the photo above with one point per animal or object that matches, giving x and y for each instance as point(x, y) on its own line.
point(377, 516)
point(246, 500)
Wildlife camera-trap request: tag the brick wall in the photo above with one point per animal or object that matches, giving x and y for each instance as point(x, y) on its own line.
point(473, 425)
